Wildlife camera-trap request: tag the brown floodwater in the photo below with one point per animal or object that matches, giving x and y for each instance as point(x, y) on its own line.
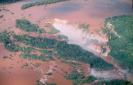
point(59, 72)
point(11, 71)
point(93, 12)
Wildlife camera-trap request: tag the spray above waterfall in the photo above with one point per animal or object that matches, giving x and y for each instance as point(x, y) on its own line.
point(80, 36)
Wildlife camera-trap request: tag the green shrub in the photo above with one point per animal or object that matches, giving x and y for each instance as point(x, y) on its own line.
point(10, 67)
point(104, 30)
point(70, 62)
point(80, 78)
point(26, 64)
point(32, 56)
point(47, 57)
point(103, 49)
point(53, 30)
point(62, 37)
point(5, 9)
point(5, 57)
point(48, 73)
point(50, 83)
point(41, 30)
point(84, 26)
point(1, 16)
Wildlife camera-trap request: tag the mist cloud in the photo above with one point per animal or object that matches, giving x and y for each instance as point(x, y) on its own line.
point(77, 36)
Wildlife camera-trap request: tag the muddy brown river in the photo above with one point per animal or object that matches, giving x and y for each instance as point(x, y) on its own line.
point(93, 12)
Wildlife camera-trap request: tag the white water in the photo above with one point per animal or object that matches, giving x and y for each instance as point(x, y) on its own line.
point(89, 42)
point(77, 36)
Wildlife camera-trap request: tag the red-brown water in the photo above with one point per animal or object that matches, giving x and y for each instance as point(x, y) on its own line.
point(93, 12)
point(15, 75)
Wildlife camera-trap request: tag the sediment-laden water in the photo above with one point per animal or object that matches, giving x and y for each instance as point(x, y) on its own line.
point(73, 12)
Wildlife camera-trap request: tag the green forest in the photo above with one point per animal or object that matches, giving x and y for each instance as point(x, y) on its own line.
point(8, 1)
point(49, 52)
point(75, 52)
point(8, 44)
point(121, 44)
point(25, 6)
point(25, 25)
point(38, 42)
point(61, 48)
point(70, 61)
point(80, 78)
point(113, 82)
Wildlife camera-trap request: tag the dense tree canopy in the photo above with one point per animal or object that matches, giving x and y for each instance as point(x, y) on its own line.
point(75, 52)
point(49, 52)
point(8, 44)
point(36, 42)
point(25, 25)
point(121, 44)
point(25, 6)
point(66, 51)
point(8, 1)
point(80, 78)
point(61, 48)
point(113, 82)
